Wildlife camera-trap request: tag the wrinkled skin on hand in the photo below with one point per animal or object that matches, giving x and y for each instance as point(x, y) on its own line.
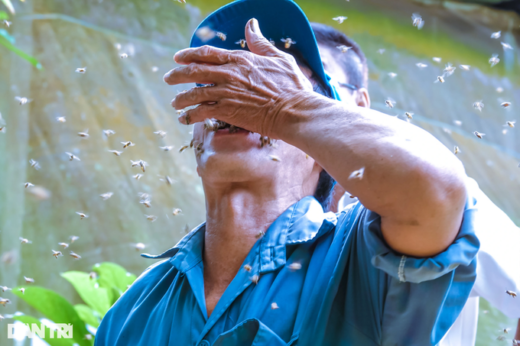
point(250, 88)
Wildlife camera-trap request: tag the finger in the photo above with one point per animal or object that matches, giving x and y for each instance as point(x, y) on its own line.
point(257, 43)
point(198, 95)
point(197, 115)
point(195, 73)
point(204, 54)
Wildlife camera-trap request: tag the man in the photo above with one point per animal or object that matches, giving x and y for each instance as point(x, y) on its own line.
point(498, 257)
point(269, 267)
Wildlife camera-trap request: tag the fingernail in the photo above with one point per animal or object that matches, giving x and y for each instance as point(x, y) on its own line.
point(254, 26)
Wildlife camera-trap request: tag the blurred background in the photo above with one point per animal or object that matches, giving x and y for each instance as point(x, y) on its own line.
point(48, 40)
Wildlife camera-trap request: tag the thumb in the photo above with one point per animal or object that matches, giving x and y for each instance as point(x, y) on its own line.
point(256, 42)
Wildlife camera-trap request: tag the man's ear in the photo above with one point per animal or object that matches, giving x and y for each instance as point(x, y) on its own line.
point(362, 98)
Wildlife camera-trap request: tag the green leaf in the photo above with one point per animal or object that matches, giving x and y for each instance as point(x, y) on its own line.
point(9, 5)
point(5, 42)
point(55, 308)
point(89, 290)
point(7, 36)
point(88, 315)
point(51, 341)
point(112, 275)
point(4, 15)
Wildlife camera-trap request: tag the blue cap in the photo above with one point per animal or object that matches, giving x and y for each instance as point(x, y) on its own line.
point(278, 19)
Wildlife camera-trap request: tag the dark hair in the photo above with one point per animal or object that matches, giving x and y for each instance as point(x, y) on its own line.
point(354, 62)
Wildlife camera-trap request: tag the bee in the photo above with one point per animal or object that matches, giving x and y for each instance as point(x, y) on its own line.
point(92, 275)
point(73, 238)
point(176, 211)
point(84, 134)
point(437, 59)
point(115, 152)
point(478, 105)
point(456, 150)
point(275, 158)
point(448, 131)
point(440, 79)
point(2, 129)
point(28, 185)
point(127, 144)
point(7, 24)
point(392, 74)
point(221, 35)
point(160, 133)
point(4, 288)
point(106, 196)
point(390, 103)
point(205, 33)
point(515, 342)
point(511, 123)
point(494, 60)
point(511, 293)
point(449, 69)
point(506, 330)
point(137, 176)
point(72, 156)
point(64, 245)
point(417, 21)
point(151, 218)
point(505, 104)
point(184, 147)
point(254, 279)
point(357, 174)
point(478, 134)
point(75, 255)
point(242, 42)
point(465, 67)
point(199, 148)
point(56, 254)
point(421, 65)
point(140, 163)
point(61, 119)
point(271, 41)
point(108, 133)
point(4, 301)
point(210, 125)
point(34, 164)
point(123, 55)
point(295, 266)
point(24, 241)
point(274, 306)
point(22, 100)
point(82, 215)
point(260, 234)
point(496, 35)
point(139, 247)
point(409, 115)
point(339, 19)
point(81, 70)
point(192, 142)
point(247, 268)
point(146, 202)
point(501, 338)
point(381, 51)
point(288, 41)
point(28, 280)
point(167, 148)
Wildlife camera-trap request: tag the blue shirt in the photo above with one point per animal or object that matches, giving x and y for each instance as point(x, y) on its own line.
point(351, 289)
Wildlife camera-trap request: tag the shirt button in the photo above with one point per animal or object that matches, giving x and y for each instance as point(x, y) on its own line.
point(204, 343)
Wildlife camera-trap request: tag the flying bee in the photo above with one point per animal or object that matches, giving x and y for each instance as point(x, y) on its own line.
point(295, 266)
point(167, 148)
point(73, 238)
point(440, 79)
point(140, 163)
point(74, 255)
point(82, 215)
point(437, 59)
point(456, 150)
point(478, 105)
point(137, 176)
point(275, 158)
point(28, 185)
point(61, 119)
point(417, 21)
point(24, 241)
point(221, 35)
point(109, 132)
point(115, 152)
point(205, 33)
point(511, 293)
point(2, 129)
point(511, 123)
point(160, 133)
point(7, 24)
point(271, 41)
point(357, 174)
point(72, 157)
point(465, 67)
point(92, 276)
point(505, 104)
point(242, 42)
point(254, 279)
point(494, 60)
point(288, 41)
point(56, 254)
point(127, 144)
point(506, 46)
point(22, 100)
point(501, 338)
point(339, 19)
point(199, 148)
point(390, 103)
point(139, 246)
point(167, 180)
point(210, 125)
point(34, 164)
point(176, 211)
point(146, 202)
point(4, 301)
point(421, 65)
point(184, 147)
point(409, 115)
point(81, 70)
point(260, 234)
point(21, 289)
point(151, 218)
point(106, 196)
point(28, 280)
point(89, 336)
point(63, 245)
point(457, 122)
point(478, 134)
point(192, 142)
point(123, 55)
point(449, 69)
point(4, 288)
point(496, 35)
point(247, 268)
point(274, 306)
point(84, 134)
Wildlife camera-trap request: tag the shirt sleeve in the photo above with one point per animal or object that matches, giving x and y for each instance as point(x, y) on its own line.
point(422, 296)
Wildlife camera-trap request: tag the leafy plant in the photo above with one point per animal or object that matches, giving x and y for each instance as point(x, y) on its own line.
point(99, 292)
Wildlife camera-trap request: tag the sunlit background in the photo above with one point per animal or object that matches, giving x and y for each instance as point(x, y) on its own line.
point(128, 96)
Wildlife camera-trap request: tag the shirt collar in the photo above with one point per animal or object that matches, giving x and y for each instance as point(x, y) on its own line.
point(299, 223)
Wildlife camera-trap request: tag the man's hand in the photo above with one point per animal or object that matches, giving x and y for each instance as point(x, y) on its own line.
point(250, 88)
